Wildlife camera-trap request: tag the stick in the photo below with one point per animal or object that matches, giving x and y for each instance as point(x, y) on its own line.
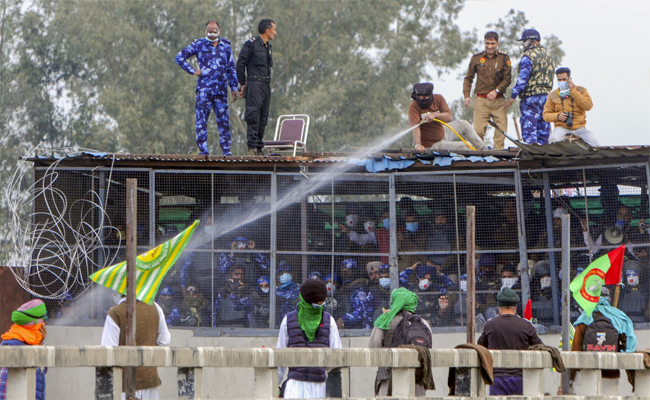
point(514, 119)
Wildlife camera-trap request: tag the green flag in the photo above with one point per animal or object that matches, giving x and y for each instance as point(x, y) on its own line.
point(606, 270)
point(151, 268)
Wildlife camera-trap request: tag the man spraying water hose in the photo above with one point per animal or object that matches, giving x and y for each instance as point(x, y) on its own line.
point(428, 114)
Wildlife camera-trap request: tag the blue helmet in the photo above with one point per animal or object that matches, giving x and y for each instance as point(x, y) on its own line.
point(316, 275)
point(530, 34)
point(349, 263)
point(263, 279)
point(167, 291)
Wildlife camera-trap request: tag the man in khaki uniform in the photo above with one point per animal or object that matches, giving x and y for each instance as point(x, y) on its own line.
point(492, 69)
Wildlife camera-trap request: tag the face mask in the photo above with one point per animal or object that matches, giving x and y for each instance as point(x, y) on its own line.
point(265, 289)
point(564, 89)
point(632, 278)
point(384, 282)
point(241, 246)
point(285, 278)
point(620, 224)
point(527, 43)
point(212, 36)
point(424, 284)
point(463, 285)
point(330, 289)
point(352, 220)
point(317, 305)
point(411, 226)
point(508, 282)
point(425, 103)
point(369, 226)
point(545, 282)
point(386, 223)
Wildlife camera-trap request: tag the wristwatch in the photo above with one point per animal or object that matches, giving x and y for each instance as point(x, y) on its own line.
point(497, 90)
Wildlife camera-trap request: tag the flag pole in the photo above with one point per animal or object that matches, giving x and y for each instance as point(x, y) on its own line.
point(131, 251)
point(566, 294)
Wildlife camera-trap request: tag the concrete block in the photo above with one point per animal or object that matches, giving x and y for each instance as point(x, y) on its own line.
point(108, 383)
point(591, 382)
point(265, 384)
point(190, 383)
point(533, 380)
point(21, 383)
point(642, 383)
point(187, 357)
point(404, 382)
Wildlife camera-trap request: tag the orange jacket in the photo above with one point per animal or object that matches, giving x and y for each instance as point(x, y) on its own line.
point(581, 104)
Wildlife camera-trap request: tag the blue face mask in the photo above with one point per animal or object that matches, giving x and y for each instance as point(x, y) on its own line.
point(285, 278)
point(386, 223)
point(384, 282)
point(411, 226)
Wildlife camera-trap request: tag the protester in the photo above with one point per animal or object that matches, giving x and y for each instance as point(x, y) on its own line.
point(254, 75)
point(508, 331)
point(308, 327)
point(216, 72)
point(167, 303)
point(28, 330)
point(567, 107)
point(493, 75)
point(150, 330)
point(534, 82)
point(403, 305)
point(607, 329)
point(428, 106)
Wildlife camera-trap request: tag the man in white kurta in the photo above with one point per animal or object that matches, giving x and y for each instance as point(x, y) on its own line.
point(296, 389)
point(111, 337)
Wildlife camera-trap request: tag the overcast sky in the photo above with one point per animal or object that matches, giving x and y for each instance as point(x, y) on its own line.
point(607, 48)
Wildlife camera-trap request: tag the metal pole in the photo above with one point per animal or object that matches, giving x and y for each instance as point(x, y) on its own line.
point(131, 250)
point(566, 298)
point(274, 233)
point(521, 227)
point(392, 209)
point(551, 245)
point(102, 234)
point(152, 208)
point(460, 293)
point(303, 228)
point(471, 270)
point(584, 185)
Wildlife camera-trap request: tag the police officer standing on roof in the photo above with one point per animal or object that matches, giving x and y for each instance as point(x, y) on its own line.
point(254, 75)
point(535, 80)
point(492, 70)
point(216, 71)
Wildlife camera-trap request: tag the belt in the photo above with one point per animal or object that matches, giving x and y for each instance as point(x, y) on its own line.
point(485, 95)
point(258, 78)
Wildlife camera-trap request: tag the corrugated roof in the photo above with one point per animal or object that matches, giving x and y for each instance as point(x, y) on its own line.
point(579, 149)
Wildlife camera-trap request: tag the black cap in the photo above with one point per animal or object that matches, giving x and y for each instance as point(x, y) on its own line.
point(507, 298)
point(423, 89)
point(530, 34)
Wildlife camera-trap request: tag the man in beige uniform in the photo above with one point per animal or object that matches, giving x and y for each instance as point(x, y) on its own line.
point(493, 71)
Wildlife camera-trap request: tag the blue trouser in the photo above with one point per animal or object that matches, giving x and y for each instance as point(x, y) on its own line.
point(507, 386)
point(533, 127)
point(205, 101)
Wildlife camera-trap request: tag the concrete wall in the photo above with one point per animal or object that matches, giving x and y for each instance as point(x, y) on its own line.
point(235, 382)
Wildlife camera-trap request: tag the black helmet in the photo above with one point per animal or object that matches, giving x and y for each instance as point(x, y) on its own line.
point(542, 268)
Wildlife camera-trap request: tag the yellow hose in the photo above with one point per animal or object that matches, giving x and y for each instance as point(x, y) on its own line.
point(453, 130)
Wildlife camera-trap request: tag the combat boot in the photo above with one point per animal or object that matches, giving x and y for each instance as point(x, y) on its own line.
point(259, 152)
point(252, 152)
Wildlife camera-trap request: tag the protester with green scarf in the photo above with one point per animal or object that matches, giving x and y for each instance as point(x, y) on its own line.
point(383, 334)
point(307, 327)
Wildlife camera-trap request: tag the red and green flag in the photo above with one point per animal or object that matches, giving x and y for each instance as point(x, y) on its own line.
point(606, 270)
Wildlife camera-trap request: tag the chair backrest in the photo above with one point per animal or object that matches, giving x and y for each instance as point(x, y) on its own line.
point(291, 129)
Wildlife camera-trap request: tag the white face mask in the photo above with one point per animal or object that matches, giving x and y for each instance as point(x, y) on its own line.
point(212, 36)
point(384, 282)
point(352, 220)
point(265, 289)
point(424, 284)
point(508, 282)
point(632, 279)
point(564, 89)
point(545, 282)
point(369, 226)
point(330, 289)
point(463, 285)
point(241, 246)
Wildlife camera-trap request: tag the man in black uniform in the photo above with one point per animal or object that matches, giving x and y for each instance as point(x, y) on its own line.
point(254, 75)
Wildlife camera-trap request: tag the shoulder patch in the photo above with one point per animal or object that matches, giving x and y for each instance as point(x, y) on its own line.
point(196, 40)
point(252, 40)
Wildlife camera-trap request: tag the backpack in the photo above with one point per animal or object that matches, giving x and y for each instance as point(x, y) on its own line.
point(411, 330)
point(600, 335)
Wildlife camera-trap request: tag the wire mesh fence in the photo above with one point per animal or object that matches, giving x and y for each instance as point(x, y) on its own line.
point(263, 233)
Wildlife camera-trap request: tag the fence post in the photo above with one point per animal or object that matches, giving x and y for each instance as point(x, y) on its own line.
point(590, 382)
point(533, 382)
point(404, 382)
point(469, 382)
point(108, 383)
point(21, 383)
point(190, 383)
point(265, 383)
point(642, 383)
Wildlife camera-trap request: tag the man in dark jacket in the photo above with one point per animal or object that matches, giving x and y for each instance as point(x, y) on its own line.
point(28, 330)
point(254, 75)
point(308, 327)
point(508, 331)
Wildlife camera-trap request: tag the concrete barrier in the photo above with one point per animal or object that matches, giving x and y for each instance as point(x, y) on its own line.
point(190, 362)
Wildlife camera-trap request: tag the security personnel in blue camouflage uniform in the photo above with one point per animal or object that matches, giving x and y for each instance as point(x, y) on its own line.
point(535, 80)
point(254, 74)
point(216, 72)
